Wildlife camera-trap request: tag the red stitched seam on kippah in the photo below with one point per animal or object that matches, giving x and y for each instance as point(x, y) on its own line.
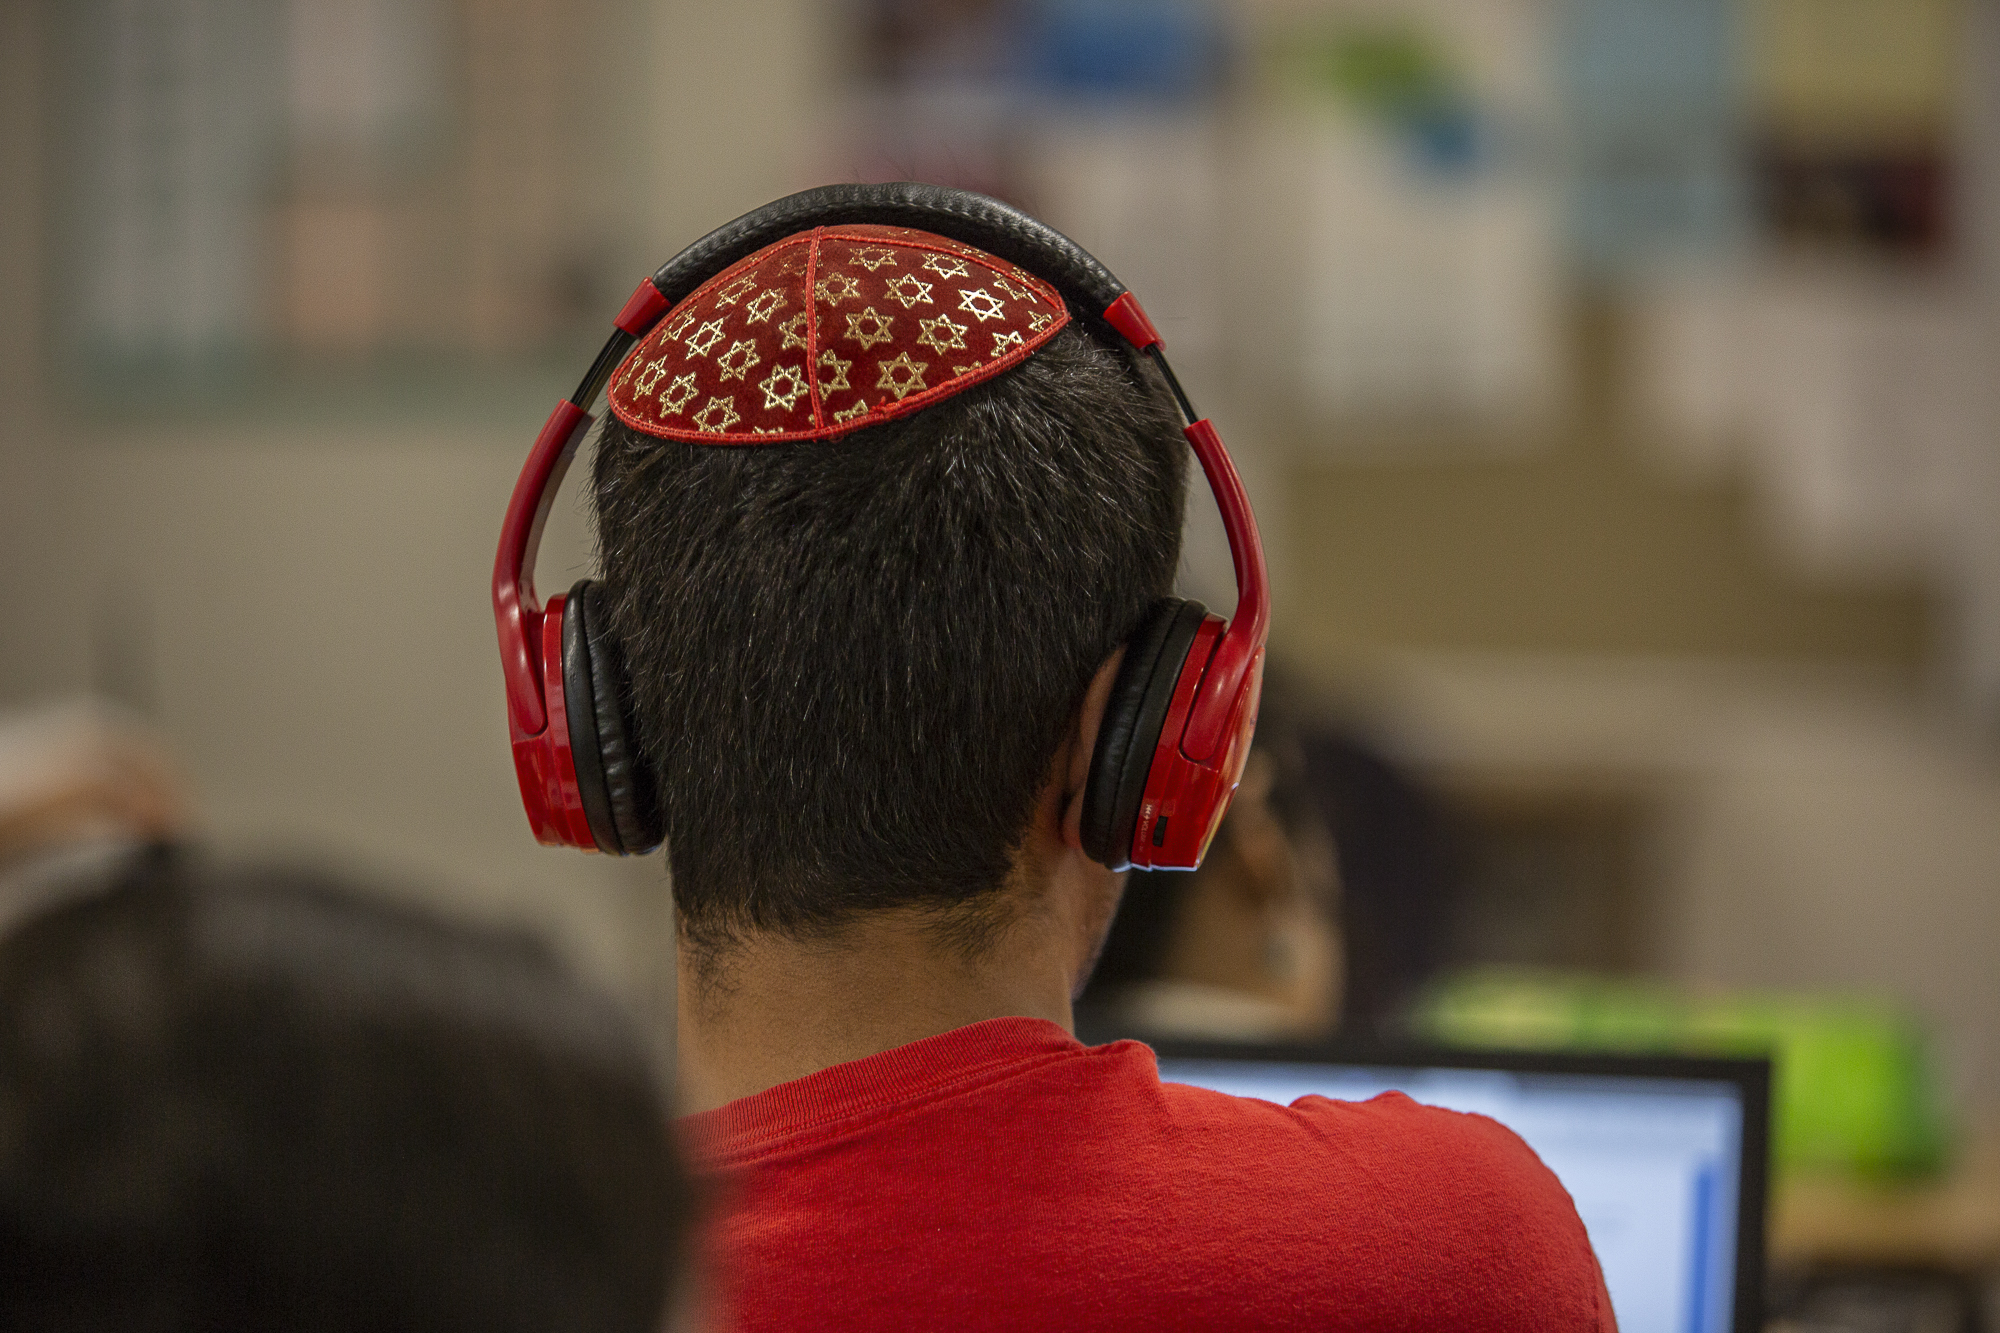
point(813, 393)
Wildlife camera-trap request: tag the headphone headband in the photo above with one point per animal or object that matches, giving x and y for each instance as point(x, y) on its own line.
point(1216, 710)
point(960, 215)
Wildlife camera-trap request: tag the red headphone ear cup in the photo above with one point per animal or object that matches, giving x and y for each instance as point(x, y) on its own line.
point(617, 790)
point(1140, 699)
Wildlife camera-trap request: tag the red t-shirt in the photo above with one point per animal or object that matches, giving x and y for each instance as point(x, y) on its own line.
point(1005, 1176)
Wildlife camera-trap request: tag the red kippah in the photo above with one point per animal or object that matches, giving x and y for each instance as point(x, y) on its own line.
point(897, 320)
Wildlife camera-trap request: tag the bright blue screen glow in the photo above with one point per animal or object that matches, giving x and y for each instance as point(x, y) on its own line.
point(1652, 1163)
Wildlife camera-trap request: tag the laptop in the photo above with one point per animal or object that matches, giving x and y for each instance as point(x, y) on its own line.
point(1665, 1156)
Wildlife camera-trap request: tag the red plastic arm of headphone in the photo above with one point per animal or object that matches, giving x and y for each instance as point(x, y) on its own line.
point(1234, 657)
point(642, 310)
point(1127, 316)
point(516, 609)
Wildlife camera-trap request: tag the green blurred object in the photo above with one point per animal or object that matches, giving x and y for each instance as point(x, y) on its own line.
point(1400, 77)
point(1394, 72)
point(1854, 1086)
point(1386, 69)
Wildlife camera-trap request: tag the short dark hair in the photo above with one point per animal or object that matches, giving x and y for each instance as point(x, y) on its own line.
point(853, 659)
point(250, 1098)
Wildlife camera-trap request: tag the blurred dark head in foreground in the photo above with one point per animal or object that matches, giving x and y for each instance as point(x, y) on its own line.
point(253, 1099)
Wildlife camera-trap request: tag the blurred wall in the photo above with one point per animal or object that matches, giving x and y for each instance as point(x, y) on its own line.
point(1576, 547)
point(300, 598)
point(24, 548)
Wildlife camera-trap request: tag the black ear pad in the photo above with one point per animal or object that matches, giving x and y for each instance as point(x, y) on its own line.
point(1130, 732)
point(619, 797)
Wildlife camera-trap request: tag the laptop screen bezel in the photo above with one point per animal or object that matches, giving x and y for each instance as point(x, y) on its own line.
point(1751, 1076)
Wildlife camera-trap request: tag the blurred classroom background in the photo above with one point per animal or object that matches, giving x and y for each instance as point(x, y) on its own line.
point(1614, 380)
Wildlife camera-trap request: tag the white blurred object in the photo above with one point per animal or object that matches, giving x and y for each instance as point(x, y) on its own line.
point(171, 140)
point(1424, 297)
point(363, 74)
point(1425, 285)
point(1854, 398)
point(1862, 406)
point(83, 771)
point(1143, 193)
point(1862, 399)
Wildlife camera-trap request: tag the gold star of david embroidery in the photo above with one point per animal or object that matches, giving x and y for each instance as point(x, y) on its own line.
point(848, 414)
point(794, 330)
point(736, 290)
point(783, 386)
point(902, 375)
point(708, 419)
point(792, 264)
point(678, 329)
point(1040, 320)
point(1002, 341)
point(736, 362)
point(1019, 294)
point(909, 290)
point(833, 372)
point(960, 370)
point(981, 303)
point(677, 395)
point(872, 257)
point(703, 340)
point(876, 332)
point(947, 266)
point(765, 304)
point(941, 334)
point(650, 377)
point(837, 287)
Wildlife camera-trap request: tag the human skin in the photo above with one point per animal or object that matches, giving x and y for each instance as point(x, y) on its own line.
point(769, 1008)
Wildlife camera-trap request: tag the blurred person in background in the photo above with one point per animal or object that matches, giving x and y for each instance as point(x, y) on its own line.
point(1400, 859)
point(1248, 947)
point(253, 1099)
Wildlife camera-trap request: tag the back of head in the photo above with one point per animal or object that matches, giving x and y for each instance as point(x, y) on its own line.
point(853, 659)
point(251, 1099)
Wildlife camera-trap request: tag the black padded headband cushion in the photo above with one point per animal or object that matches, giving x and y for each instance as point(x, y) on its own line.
point(1130, 732)
point(961, 215)
point(619, 800)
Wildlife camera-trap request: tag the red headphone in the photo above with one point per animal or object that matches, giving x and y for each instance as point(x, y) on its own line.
point(1177, 728)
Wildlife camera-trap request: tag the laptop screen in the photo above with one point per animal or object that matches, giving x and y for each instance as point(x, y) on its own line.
point(1655, 1158)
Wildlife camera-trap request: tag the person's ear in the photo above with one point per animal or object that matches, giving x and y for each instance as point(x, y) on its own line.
point(1082, 743)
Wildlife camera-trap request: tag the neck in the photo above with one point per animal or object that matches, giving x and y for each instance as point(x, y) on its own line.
point(772, 1009)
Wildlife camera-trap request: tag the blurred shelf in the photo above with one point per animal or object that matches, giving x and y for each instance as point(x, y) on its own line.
point(389, 389)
